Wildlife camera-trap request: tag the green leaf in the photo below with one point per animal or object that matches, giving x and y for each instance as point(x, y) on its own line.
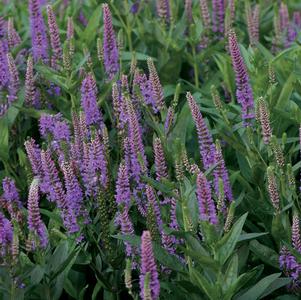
point(203, 260)
point(96, 290)
point(231, 273)
point(36, 275)
point(4, 139)
point(226, 245)
point(132, 239)
point(251, 236)
point(166, 259)
point(266, 254)
point(286, 92)
point(259, 288)
point(70, 289)
point(240, 283)
point(209, 289)
point(277, 284)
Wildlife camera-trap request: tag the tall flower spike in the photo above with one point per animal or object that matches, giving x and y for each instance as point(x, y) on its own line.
point(110, 49)
point(160, 163)
point(154, 205)
point(89, 101)
point(148, 266)
point(12, 198)
point(98, 160)
point(163, 10)
point(14, 82)
point(13, 37)
point(207, 148)
point(296, 238)
point(70, 29)
point(221, 172)
point(50, 182)
point(6, 236)
point(207, 208)
point(156, 85)
point(231, 4)
point(264, 117)
point(123, 191)
point(218, 16)
point(54, 38)
point(74, 194)
point(138, 158)
point(205, 14)
point(188, 10)
point(70, 36)
point(284, 17)
point(34, 155)
point(29, 83)
point(244, 91)
point(127, 228)
point(253, 23)
point(273, 189)
point(38, 31)
point(146, 89)
point(216, 98)
point(36, 227)
point(4, 75)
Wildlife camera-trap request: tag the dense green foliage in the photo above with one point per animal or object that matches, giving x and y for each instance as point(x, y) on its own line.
point(237, 258)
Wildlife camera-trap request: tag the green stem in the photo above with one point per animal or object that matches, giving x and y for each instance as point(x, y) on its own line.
point(12, 291)
point(186, 228)
point(195, 67)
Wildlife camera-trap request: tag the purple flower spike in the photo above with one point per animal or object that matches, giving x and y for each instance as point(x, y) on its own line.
point(4, 75)
point(123, 191)
point(29, 83)
point(36, 227)
point(10, 192)
point(148, 265)
point(50, 181)
point(55, 126)
point(70, 29)
point(156, 84)
point(160, 163)
point(54, 38)
point(296, 238)
point(253, 23)
point(153, 203)
point(6, 236)
point(244, 91)
point(13, 37)
point(14, 82)
point(135, 7)
point(163, 10)
point(205, 14)
point(74, 194)
point(12, 198)
point(34, 156)
point(89, 101)
point(98, 160)
point(110, 49)
point(138, 158)
point(218, 16)
point(38, 31)
point(188, 10)
point(127, 228)
point(221, 172)
point(207, 148)
point(206, 205)
point(284, 17)
point(146, 89)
